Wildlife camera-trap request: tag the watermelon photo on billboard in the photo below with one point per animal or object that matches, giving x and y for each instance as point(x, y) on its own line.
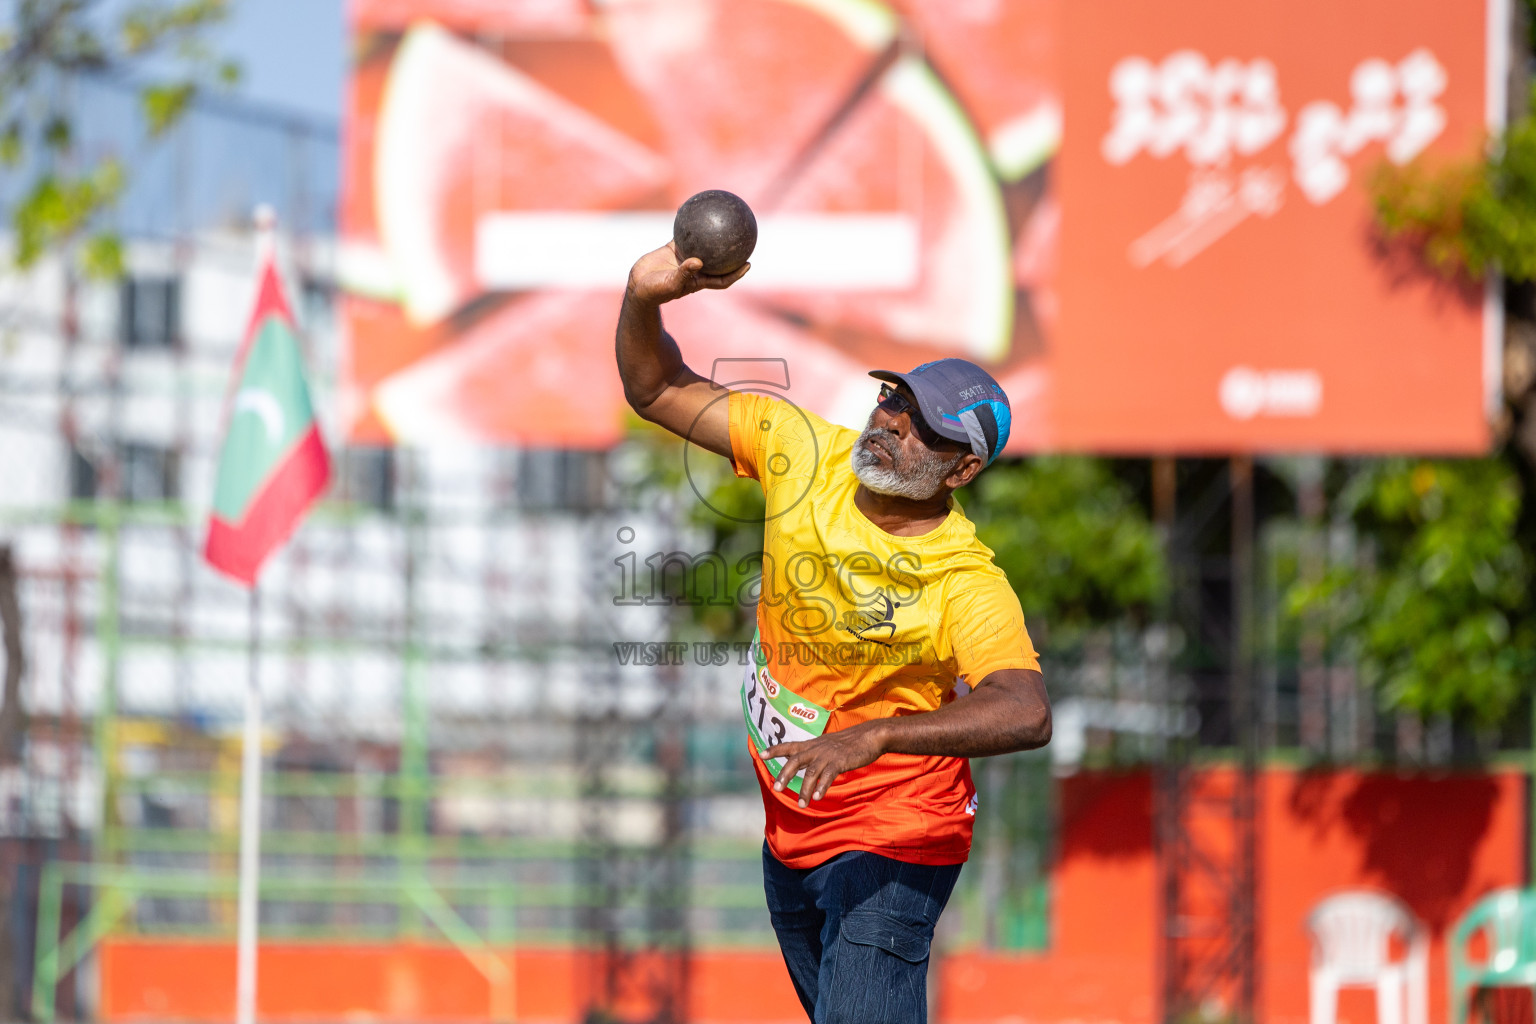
point(1151, 224)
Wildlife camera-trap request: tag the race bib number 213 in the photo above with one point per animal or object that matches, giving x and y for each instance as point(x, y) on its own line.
point(775, 713)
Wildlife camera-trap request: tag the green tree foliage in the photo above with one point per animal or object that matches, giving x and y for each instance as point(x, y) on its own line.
point(1470, 218)
point(1439, 618)
point(44, 41)
point(1076, 544)
point(1466, 220)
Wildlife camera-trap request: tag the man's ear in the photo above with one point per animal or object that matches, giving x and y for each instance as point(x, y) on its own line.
point(965, 471)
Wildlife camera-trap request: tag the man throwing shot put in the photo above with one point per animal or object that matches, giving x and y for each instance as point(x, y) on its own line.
point(879, 609)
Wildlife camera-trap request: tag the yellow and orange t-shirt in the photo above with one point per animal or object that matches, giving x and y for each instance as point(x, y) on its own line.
point(854, 624)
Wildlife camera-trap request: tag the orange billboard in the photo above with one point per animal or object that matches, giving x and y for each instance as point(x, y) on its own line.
point(1149, 221)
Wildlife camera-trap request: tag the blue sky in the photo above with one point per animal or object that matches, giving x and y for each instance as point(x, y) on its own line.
point(293, 53)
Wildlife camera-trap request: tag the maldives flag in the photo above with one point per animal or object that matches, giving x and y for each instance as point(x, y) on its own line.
point(273, 463)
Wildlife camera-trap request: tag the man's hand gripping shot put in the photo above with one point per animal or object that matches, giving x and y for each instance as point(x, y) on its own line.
point(889, 648)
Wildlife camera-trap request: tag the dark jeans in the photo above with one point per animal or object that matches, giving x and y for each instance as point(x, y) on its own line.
point(855, 933)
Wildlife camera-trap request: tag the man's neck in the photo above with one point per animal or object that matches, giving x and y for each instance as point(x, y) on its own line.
point(902, 517)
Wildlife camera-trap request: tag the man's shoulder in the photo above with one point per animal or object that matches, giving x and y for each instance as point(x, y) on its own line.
point(976, 572)
point(786, 421)
point(971, 570)
point(964, 549)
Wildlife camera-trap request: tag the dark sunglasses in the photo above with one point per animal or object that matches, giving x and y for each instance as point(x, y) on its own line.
point(896, 403)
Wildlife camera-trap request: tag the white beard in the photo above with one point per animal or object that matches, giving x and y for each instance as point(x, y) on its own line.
point(917, 478)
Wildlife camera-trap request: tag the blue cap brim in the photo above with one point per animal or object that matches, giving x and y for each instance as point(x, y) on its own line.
point(929, 402)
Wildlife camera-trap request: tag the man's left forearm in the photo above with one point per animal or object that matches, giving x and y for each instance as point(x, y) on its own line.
point(1007, 711)
point(1010, 712)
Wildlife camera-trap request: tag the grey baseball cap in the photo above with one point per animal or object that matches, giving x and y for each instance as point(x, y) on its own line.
point(960, 401)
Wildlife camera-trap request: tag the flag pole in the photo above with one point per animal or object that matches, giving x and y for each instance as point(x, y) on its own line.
point(250, 826)
point(250, 766)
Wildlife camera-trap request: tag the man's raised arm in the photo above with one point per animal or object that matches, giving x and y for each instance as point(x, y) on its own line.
point(657, 383)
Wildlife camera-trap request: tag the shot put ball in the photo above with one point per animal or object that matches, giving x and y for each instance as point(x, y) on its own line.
point(718, 228)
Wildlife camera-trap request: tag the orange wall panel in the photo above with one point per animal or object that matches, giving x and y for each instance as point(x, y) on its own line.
point(1437, 842)
point(166, 980)
point(1102, 962)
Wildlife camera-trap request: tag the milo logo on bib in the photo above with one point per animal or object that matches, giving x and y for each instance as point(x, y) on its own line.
point(775, 713)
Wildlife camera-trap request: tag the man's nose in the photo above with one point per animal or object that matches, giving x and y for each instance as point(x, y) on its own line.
point(898, 423)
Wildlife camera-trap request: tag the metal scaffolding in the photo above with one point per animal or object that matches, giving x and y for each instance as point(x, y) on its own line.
point(1206, 814)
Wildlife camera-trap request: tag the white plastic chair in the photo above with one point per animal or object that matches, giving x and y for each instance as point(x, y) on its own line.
point(1352, 948)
